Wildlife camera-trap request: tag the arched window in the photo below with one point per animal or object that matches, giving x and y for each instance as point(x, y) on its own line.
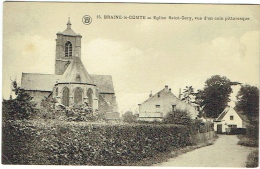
point(78, 95)
point(68, 49)
point(65, 96)
point(90, 97)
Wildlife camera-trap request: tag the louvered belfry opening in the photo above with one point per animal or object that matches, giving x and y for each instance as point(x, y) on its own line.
point(65, 96)
point(68, 49)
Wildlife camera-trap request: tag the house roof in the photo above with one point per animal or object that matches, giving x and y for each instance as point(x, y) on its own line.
point(164, 92)
point(222, 115)
point(37, 81)
point(76, 73)
point(225, 111)
point(241, 114)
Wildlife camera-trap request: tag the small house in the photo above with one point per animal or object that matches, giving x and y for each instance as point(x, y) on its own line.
point(229, 118)
point(156, 107)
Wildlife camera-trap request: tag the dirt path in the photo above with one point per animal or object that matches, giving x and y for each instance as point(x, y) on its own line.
point(223, 153)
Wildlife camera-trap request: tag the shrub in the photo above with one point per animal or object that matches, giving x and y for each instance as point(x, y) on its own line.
point(78, 143)
point(177, 117)
point(129, 117)
point(245, 141)
point(252, 131)
point(252, 159)
point(22, 107)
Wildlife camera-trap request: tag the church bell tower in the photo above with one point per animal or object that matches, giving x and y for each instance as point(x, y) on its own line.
point(68, 46)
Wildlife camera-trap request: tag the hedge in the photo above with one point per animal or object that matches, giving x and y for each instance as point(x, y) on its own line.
point(81, 143)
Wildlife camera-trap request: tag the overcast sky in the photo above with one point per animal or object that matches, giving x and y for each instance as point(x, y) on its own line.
point(141, 55)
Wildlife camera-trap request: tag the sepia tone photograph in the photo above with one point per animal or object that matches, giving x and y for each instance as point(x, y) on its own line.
point(130, 84)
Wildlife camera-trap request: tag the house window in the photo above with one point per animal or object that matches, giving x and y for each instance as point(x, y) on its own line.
point(173, 107)
point(231, 117)
point(68, 49)
point(232, 126)
point(157, 106)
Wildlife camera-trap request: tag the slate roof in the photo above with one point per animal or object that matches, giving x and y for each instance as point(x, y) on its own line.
point(69, 31)
point(46, 82)
point(37, 81)
point(104, 83)
point(76, 73)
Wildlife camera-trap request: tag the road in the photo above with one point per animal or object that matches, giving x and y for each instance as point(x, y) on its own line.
point(223, 153)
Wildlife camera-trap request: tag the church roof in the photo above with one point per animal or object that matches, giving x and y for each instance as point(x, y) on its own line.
point(104, 83)
point(69, 31)
point(37, 81)
point(76, 73)
point(46, 82)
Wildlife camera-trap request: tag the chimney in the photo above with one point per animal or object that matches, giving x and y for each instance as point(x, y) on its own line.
point(180, 93)
point(150, 95)
point(166, 87)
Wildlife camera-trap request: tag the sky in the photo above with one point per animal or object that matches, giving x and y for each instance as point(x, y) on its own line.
point(142, 55)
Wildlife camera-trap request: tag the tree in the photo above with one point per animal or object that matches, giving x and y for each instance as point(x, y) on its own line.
point(215, 95)
point(129, 117)
point(187, 93)
point(22, 107)
point(248, 101)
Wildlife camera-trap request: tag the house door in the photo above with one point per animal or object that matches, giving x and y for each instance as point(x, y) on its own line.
point(219, 128)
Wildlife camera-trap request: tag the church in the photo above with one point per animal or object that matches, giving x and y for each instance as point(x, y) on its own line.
point(71, 84)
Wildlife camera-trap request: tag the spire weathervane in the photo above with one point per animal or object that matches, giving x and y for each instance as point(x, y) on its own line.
point(69, 24)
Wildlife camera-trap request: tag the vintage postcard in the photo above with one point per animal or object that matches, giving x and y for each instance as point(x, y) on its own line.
point(130, 84)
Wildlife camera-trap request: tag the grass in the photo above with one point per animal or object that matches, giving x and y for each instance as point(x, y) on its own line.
point(252, 159)
point(245, 141)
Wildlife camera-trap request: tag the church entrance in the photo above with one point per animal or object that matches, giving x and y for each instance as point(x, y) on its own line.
point(65, 96)
point(78, 95)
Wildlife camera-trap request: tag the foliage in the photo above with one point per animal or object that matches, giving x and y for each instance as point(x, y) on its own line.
point(51, 110)
point(248, 101)
point(22, 107)
point(129, 117)
point(245, 141)
point(252, 159)
point(252, 131)
point(70, 143)
point(187, 94)
point(177, 117)
point(215, 95)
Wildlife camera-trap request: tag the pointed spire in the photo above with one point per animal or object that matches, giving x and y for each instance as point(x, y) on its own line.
point(68, 24)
